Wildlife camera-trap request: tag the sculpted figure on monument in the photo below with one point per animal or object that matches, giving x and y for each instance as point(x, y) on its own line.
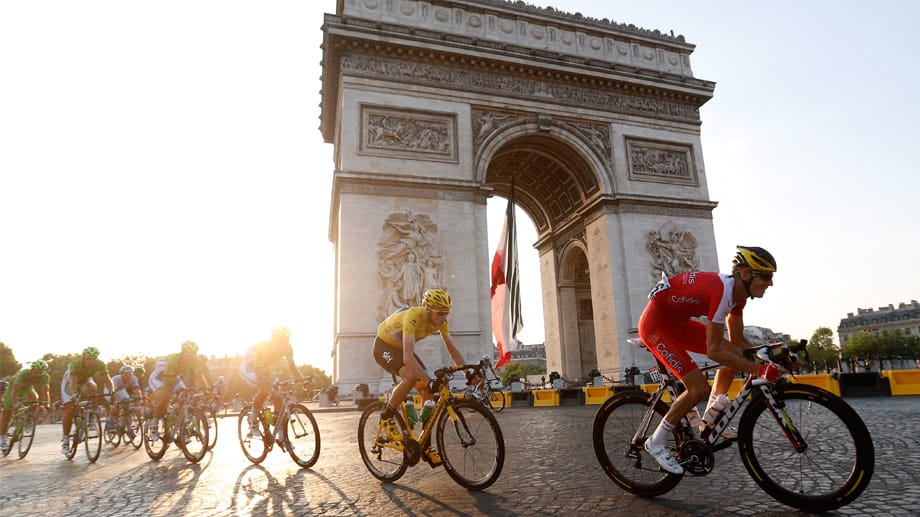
point(408, 260)
point(672, 250)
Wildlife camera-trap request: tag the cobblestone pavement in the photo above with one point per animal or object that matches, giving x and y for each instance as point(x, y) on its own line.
point(550, 469)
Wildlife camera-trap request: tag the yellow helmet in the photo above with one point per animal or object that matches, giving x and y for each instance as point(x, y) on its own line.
point(190, 346)
point(758, 259)
point(436, 299)
point(281, 334)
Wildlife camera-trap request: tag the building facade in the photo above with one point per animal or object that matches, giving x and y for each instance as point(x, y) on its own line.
point(884, 320)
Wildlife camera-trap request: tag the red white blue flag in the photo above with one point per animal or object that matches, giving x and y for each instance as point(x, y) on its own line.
point(506, 292)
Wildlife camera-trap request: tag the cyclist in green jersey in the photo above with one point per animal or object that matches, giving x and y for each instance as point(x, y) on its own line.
point(83, 376)
point(23, 389)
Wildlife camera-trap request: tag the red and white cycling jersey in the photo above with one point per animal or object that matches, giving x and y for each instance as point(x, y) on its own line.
point(666, 325)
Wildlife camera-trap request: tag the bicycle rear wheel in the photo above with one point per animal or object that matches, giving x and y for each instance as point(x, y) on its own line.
point(302, 436)
point(254, 446)
point(156, 438)
point(92, 440)
point(834, 468)
point(26, 435)
point(382, 452)
point(471, 445)
point(624, 460)
point(192, 435)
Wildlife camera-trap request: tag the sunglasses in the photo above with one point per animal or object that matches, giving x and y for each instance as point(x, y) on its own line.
point(766, 276)
point(441, 313)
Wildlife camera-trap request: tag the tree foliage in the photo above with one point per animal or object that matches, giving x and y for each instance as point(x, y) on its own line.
point(823, 354)
point(8, 363)
point(522, 370)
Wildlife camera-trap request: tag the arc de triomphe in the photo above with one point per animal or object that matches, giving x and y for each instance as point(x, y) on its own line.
point(432, 107)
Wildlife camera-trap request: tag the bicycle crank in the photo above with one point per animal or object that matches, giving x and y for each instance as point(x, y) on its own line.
point(412, 451)
point(696, 457)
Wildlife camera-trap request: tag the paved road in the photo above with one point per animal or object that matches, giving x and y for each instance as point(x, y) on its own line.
point(550, 469)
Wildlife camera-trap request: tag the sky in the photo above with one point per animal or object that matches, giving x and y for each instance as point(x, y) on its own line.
point(163, 178)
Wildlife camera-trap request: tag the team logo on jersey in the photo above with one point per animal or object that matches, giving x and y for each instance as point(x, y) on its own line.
point(387, 357)
point(685, 299)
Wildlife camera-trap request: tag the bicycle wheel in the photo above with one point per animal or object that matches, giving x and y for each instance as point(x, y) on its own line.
point(134, 428)
point(496, 400)
point(192, 435)
point(302, 436)
point(112, 435)
point(211, 419)
point(26, 434)
point(76, 435)
point(10, 440)
point(381, 451)
point(833, 469)
point(255, 448)
point(471, 445)
point(155, 443)
point(622, 457)
point(92, 441)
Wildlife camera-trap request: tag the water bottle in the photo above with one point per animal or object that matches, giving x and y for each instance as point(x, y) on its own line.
point(267, 415)
point(427, 409)
point(714, 412)
point(411, 415)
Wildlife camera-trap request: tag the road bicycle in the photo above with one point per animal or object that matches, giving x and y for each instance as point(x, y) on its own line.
point(87, 427)
point(125, 424)
point(469, 440)
point(183, 424)
point(298, 434)
point(486, 390)
point(210, 405)
point(804, 446)
point(21, 430)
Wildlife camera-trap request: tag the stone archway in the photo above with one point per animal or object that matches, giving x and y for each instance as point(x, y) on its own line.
point(434, 107)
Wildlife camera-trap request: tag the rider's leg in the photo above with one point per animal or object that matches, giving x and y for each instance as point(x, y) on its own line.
point(697, 389)
point(407, 382)
point(4, 421)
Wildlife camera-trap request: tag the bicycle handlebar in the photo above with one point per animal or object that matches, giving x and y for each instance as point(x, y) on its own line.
point(779, 353)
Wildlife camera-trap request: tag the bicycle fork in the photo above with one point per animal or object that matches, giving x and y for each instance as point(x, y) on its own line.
point(778, 410)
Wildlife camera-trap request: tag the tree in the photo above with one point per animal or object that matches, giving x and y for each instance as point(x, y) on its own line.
point(522, 370)
point(822, 353)
point(8, 363)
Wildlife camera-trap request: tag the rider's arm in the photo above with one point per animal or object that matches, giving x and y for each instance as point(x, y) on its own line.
point(736, 331)
point(44, 395)
point(452, 349)
point(717, 349)
point(409, 357)
point(106, 380)
point(295, 372)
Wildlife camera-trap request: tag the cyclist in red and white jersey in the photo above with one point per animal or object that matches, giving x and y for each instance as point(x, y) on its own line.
point(669, 333)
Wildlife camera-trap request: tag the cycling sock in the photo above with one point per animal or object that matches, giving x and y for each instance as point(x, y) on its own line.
point(660, 436)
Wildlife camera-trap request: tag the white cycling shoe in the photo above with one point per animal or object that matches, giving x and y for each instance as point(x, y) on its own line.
point(663, 456)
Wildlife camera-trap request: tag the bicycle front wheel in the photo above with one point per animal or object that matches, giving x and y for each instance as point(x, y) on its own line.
point(621, 455)
point(302, 436)
point(496, 400)
point(836, 463)
point(112, 435)
point(381, 449)
point(92, 440)
point(27, 434)
point(155, 443)
point(471, 445)
point(192, 436)
point(211, 419)
point(254, 445)
point(134, 428)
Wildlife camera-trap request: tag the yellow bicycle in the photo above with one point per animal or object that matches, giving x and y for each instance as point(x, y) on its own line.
point(469, 442)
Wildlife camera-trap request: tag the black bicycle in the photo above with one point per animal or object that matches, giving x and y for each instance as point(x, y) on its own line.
point(804, 446)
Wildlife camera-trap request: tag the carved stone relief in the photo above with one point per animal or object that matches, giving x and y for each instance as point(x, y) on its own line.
point(396, 133)
point(661, 162)
point(673, 251)
point(409, 260)
point(501, 83)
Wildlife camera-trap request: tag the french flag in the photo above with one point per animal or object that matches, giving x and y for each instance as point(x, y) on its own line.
point(506, 292)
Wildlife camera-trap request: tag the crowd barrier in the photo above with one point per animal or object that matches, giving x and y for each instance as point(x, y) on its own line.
point(903, 382)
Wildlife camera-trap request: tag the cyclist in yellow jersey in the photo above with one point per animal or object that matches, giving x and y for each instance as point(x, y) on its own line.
point(394, 346)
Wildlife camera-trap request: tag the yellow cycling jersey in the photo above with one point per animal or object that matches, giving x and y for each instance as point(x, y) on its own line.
point(411, 320)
